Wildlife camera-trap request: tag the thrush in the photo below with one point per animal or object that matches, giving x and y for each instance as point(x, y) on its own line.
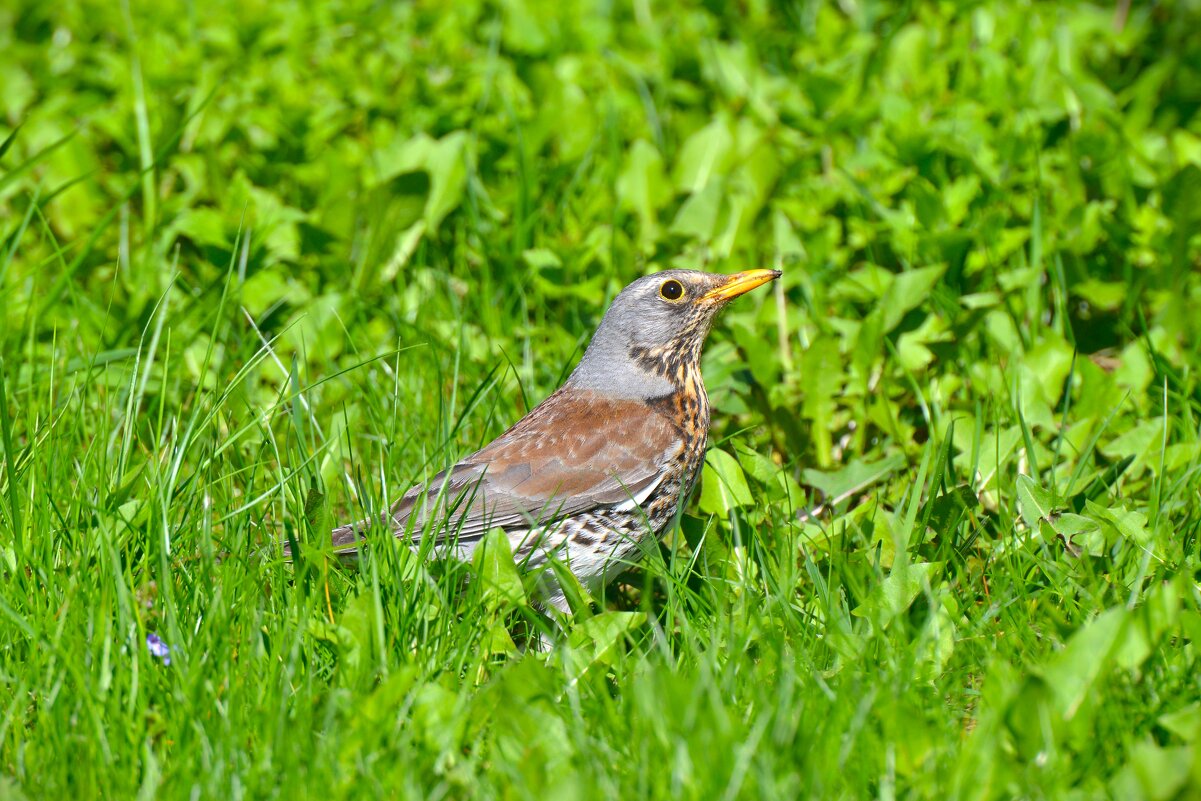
point(601, 465)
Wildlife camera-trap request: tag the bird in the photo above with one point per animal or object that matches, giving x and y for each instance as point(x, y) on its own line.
point(600, 467)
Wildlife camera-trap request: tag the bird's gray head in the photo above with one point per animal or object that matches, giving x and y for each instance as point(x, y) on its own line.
point(652, 333)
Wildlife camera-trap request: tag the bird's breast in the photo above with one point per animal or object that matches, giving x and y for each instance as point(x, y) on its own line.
point(688, 410)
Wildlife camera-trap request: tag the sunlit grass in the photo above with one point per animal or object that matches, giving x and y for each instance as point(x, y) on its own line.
point(263, 269)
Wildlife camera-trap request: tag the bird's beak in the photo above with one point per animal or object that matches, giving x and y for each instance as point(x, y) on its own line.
point(740, 283)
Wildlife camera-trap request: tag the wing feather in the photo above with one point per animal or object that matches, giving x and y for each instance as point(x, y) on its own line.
point(574, 453)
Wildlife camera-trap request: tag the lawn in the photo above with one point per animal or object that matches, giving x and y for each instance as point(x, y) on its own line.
point(264, 265)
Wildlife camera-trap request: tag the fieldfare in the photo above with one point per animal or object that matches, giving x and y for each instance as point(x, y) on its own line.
point(604, 462)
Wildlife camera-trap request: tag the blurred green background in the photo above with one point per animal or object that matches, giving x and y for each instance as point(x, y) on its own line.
point(265, 264)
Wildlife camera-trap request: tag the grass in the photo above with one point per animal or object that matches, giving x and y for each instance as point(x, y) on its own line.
point(262, 267)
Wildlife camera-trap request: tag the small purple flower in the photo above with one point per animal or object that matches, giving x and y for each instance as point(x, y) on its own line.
point(156, 647)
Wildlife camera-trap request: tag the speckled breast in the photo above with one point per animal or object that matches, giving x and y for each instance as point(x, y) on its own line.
point(688, 410)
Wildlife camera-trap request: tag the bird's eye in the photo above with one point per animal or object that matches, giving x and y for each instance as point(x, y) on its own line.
point(671, 290)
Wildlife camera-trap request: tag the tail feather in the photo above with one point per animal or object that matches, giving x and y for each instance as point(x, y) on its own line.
point(345, 539)
point(348, 537)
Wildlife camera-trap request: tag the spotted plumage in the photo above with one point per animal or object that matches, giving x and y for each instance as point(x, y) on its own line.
point(598, 469)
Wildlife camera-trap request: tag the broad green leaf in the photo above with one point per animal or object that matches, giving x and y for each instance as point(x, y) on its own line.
point(1184, 722)
point(1034, 502)
point(706, 155)
point(443, 160)
point(1129, 524)
point(521, 710)
point(406, 245)
point(735, 218)
point(756, 465)
point(855, 477)
point(698, 215)
point(379, 706)
point(897, 591)
point(1082, 534)
point(316, 513)
point(275, 223)
point(779, 484)
point(947, 509)
point(498, 640)
point(541, 258)
point(435, 716)
point(785, 241)
point(908, 290)
point(1141, 442)
point(1072, 672)
point(1048, 364)
point(723, 485)
point(497, 573)
point(642, 187)
point(821, 365)
point(1104, 295)
point(869, 344)
point(912, 351)
point(1160, 613)
point(594, 641)
point(1182, 196)
point(446, 163)
point(351, 635)
point(355, 632)
point(270, 286)
point(527, 29)
point(204, 226)
point(1156, 773)
point(938, 638)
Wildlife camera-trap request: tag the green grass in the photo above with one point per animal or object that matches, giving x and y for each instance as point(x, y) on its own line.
point(265, 265)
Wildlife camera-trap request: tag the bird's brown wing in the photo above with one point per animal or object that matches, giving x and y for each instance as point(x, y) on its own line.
point(576, 451)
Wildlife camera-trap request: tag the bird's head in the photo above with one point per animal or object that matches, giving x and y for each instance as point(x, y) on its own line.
point(653, 331)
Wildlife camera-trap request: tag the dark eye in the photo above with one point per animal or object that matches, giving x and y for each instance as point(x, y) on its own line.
point(671, 290)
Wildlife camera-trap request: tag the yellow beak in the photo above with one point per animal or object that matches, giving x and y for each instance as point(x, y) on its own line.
point(740, 283)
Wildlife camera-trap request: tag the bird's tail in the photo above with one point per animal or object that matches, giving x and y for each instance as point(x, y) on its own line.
point(345, 539)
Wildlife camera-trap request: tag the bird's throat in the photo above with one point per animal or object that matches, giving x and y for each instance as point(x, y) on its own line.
point(679, 366)
point(679, 363)
point(687, 408)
